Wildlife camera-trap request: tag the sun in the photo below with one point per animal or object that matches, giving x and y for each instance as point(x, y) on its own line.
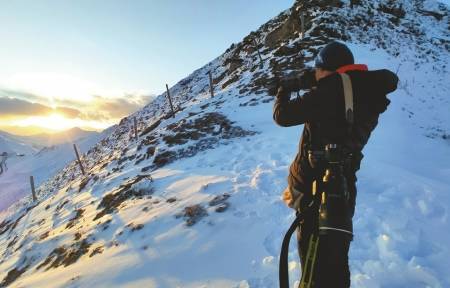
point(54, 122)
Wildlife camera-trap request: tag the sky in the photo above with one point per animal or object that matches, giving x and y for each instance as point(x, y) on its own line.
point(89, 63)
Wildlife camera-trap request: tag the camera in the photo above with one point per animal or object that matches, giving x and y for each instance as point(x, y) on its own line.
point(294, 82)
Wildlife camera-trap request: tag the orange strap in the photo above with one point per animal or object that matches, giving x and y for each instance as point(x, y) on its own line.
point(352, 67)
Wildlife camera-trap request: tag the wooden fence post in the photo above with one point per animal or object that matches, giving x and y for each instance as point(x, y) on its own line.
point(135, 129)
point(33, 191)
point(78, 158)
point(211, 86)
point(257, 49)
point(170, 101)
point(302, 19)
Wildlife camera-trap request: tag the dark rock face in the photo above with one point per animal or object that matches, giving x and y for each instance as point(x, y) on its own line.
point(289, 29)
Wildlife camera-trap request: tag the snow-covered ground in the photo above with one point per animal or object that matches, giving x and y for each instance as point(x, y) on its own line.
point(446, 2)
point(41, 164)
point(196, 201)
point(12, 144)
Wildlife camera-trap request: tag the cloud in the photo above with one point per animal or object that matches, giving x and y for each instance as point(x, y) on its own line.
point(9, 93)
point(68, 112)
point(118, 107)
point(14, 103)
point(18, 107)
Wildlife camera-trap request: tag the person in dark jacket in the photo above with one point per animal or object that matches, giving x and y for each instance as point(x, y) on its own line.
point(323, 113)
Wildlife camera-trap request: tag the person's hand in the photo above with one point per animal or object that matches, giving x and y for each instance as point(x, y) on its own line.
point(282, 94)
point(292, 197)
point(308, 79)
point(292, 82)
point(295, 199)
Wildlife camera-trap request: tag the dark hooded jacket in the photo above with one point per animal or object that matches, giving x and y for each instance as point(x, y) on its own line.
point(322, 110)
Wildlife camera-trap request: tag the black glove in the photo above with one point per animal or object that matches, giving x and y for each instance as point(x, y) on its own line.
point(273, 84)
point(293, 82)
point(308, 79)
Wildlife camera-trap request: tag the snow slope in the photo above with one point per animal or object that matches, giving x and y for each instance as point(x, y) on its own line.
point(42, 164)
point(195, 202)
point(12, 144)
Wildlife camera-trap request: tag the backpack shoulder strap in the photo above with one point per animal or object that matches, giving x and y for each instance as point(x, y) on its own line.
point(348, 95)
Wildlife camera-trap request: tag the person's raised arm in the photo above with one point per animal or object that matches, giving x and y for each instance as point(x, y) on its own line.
point(293, 112)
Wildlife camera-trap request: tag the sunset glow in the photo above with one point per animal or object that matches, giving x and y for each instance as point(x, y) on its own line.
point(57, 122)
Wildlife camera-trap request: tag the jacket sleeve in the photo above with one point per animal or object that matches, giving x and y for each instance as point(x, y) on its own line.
point(388, 80)
point(297, 111)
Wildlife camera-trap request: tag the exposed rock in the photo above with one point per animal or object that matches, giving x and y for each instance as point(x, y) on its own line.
point(192, 214)
point(171, 200)
point(98, 250)
point(61, 205)
point(220, 202)
point(222, 207)
point(289, 29)
point(44, 235)
point(73, 221)
point(13, 275)
point(77, 236)
point(164, 158)
point(111, 201)
point(233, 63)
point(84, 183)
point(151, 128)
point(65, 256)
point(9, 225)
point(200, 133)
point(12, 242)
point(135, 227)
point(219, 199)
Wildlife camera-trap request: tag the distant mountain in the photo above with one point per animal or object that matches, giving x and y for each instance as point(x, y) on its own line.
point(40, 161)
point(68, 136)
point(30, 144)
point(13, 144)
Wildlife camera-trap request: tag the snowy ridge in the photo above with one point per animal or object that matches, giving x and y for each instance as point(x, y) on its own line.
point(13, 145)
point(42, 164)
point(195, 201)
